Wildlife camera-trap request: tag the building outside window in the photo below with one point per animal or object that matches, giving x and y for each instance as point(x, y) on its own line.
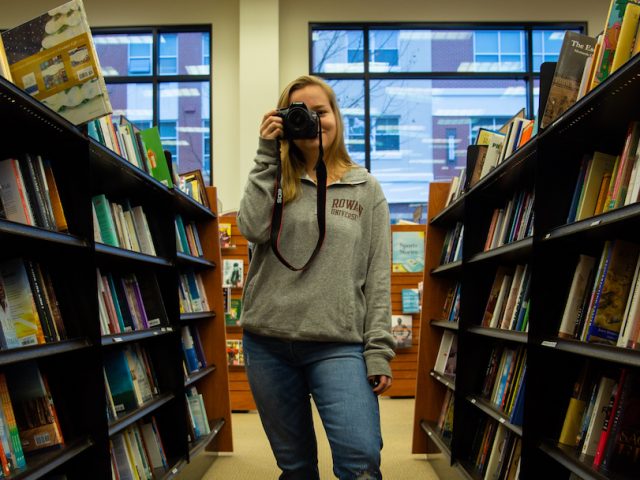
point(171, 90)
point(413, 97)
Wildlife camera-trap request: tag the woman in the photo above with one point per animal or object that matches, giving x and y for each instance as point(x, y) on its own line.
point(324, 331)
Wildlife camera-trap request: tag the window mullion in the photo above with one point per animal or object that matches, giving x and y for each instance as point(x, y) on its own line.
point(367, 101)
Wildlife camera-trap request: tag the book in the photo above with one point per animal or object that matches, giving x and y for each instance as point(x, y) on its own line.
point(611, 34)
point(5, 71)
point(52, 57)
point(33, 406)
point(599, 165)
point(575, 50)
point(120, 381)
point(232, 273)
point(604, 390)
point(401, 330)
point(154, 153)
point(607, 318)
point(627, 36)
point(407, 252)
point(235, 352)
point(19, 297)
point(410, 300)
point(577, 291)
point(446, 343)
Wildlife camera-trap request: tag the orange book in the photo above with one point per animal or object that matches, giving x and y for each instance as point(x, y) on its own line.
point(526, 134)
point(492, 229)
point(602, 196)
point(54, 195)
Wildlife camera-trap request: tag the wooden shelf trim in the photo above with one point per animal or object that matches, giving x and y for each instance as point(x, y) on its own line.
point(447, 380)
point(432, 432)
point(15, 355)
point(41, 464)
point(187, 317)
point(569, 458)
point(503, 334)
point(487, 408)
point(132, 417)
point(196, 376)
point(185, 259)
point(451, 214)
point(28, 231)
point(609, 353)
point(108, 250)
point(444, 324)
point(126, 337)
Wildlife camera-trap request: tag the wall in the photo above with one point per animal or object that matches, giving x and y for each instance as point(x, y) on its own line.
point(248, 67)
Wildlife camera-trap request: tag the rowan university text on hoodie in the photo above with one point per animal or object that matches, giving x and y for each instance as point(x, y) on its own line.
point(345, 294)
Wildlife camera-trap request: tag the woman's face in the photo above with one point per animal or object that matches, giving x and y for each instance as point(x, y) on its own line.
point(317, 100)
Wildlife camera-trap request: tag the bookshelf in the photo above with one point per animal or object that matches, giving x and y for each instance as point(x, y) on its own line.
point(549, 165)
point(74, 366)
point(239, 391)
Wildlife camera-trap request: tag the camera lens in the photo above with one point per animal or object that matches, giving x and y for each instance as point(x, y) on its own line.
point(297, 118)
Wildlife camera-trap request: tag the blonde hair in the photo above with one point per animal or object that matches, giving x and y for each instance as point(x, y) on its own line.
point(293, 163)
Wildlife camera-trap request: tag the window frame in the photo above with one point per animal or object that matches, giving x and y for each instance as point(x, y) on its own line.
point(367, 76)
point(156, 79)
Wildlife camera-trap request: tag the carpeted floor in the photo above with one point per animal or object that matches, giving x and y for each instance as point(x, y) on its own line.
point(252, 458)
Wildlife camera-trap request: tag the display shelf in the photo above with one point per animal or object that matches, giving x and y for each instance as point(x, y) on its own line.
point(198, 375)
point(190, 207)
point(196, 447)
point(447, 380)
point(452, 268)
point(510, 335)
point(41, 464)
point(20, 231)
point(510, 252)
point(451, 214)
point(569, 458)
point(128, 337)
point(143, 410)
point(431, 429)
point(444, 324)
point(609, 353)
point(22, 354)
point(188, 317)
point(497, 415)
point(129, 255)
point(185, 260)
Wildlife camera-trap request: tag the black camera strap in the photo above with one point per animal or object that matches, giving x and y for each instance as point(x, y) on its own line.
point(278, 206)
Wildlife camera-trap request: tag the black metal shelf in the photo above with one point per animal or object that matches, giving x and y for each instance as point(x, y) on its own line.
point(451, 268)
point(121, 173)
point(196, 447)
point(128, 337)
point(145, 409)
point(487, 408)
point(24, 109)
point(123, 254)
point(510, 335)
point(36, 233)
point(15, 355)
point(510, 171)
point(447, 380)
point(514, 251)
point(190, 207)
point(196, 376)
point(608, 353)
point(431, 429)
point(43, 463)
point(569, 458)
point(444, 324)
point(596, 225)
point(468, 471)
point(191, 261)
point(187, 317)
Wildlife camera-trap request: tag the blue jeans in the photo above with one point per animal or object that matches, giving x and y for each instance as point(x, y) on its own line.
point(284, 374)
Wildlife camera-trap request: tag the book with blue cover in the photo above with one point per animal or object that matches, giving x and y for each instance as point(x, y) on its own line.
point(408, 252)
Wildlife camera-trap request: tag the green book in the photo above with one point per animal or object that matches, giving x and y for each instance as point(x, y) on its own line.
point(105, 220)
point(155, 155)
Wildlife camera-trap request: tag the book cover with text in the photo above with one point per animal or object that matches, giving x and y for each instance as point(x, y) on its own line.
point(408, 252)
point(52, 57)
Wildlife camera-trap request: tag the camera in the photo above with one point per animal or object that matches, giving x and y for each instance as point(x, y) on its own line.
point(298, 121)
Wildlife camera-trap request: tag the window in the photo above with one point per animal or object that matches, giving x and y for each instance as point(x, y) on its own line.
point(171, 90)
point(414, 97)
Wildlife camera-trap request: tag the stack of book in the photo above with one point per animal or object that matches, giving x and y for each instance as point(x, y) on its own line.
point(193, 185)
point(137, 451)
point(508, 304)
point(187, 238)
point(452, 246)
point(193, 297)
point(511, 223)
point(603, 301)
point(198, 423)
point(29, 193)
point(503, 385)
point(194, 358)
point(445, 420)
point(451, 307)
point(29, 310)
point(496, 451)
point(130, 379)
point(121, 225)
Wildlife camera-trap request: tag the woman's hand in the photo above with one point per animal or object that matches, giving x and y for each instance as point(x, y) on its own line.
point(380, 383)
point(271, 127)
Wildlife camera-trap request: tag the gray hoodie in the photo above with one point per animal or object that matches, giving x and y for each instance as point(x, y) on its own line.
point(344, 295)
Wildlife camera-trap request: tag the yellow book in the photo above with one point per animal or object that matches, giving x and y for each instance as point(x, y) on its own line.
point(4, 64)
point(627, 37)
point(604, 188)
point(572, 422)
